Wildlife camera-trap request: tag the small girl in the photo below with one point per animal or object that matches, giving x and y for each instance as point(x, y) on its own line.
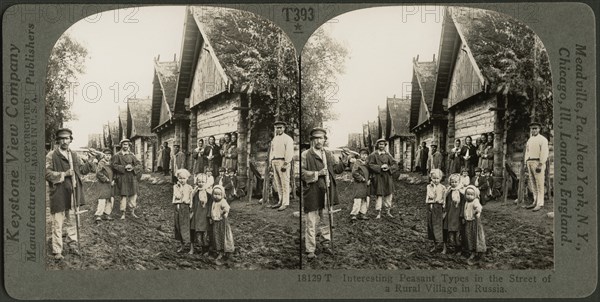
point(455, 205)
point(202, 202)
point(435, 206)
point(182, 200)
point(464, 180)
point(223, 237)
point(474, 240)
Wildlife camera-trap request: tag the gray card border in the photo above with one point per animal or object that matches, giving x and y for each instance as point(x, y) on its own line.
point(559, 25)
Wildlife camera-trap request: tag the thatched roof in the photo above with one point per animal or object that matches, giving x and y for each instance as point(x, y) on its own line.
point(245, 45)
point(422, 94)
point(138, 112)
point(382, 120)
point(398, 117)
point(163, 92)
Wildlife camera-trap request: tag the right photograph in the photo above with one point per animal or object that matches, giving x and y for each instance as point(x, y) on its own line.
point(426, 142)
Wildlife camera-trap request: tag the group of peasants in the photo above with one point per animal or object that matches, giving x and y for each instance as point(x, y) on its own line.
point(453, 211)
point(199, 198)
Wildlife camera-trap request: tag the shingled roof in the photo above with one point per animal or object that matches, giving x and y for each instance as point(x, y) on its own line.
point(122, 122)
point(138, 111)
point(398, 111)
point(382, 120)
point(422, 94)
point(374, 131)
point(163, 91)
point(242, 42)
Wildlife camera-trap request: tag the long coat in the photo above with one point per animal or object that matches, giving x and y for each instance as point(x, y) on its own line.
point(472, 162)
point(199, 161)
point(314, 186)
point(126, 182)
point(456, 161)
point(422, 155)
point(177, 162)
point(231, 157)
point(164, 158)
point(486, 159)
point(61, 187)
point(103, 186)
point(383, 183)
point(360, 174)
point(435, 161)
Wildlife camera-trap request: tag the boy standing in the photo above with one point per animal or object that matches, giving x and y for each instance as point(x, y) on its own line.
point(360, 173)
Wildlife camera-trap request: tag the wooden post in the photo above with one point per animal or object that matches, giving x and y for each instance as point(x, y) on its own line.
point(504, 144)
point(249, 151)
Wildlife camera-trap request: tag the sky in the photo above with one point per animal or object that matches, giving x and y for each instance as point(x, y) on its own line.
point(121, 45)
point(382, 43)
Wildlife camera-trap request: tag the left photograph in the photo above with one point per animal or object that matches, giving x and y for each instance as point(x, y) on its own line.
point(172, 142)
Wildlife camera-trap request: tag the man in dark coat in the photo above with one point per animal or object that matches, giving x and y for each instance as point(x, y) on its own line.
point(423, 156)
point(177, 162)
point(127, 171)
point(63, 174)
point(318, 168)
point(165, 158)
point(382, 165)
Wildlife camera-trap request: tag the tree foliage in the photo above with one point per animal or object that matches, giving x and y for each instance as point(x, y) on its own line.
point(255, 52)
point(66, 62)
point(510, 55)
point(323, 60)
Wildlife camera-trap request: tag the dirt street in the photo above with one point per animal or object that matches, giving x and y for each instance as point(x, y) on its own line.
point(264, 238)
point(516, 238)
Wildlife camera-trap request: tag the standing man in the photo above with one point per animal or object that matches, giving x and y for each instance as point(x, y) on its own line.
point(435, 160)
point(63, 174)
point(280, 157)
point(127, 171)
point(383, 165)
point(165, 158)
point(536, 154)
point(177, 162)
point(317, 171)
point(422, 157)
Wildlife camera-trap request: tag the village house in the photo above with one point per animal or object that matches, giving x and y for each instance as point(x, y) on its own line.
point(477, 96)
point(168, 120)
point(400, 140)
point(428, 117)
point(110, 131)
point(138, 131)
point(373, 134)
point(355, 142)
point(366, 136)
point(218, 85)
point(122, 123)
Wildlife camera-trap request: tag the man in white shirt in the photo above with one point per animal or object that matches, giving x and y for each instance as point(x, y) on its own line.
point(280, 157)
point(536, 154)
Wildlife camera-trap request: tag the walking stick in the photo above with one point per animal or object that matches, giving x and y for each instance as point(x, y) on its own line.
point(330, 210)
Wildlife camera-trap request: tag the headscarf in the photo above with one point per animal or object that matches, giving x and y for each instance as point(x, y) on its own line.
point(454, 191)
point(474, 188)
point(219, 187)
point(202, 194)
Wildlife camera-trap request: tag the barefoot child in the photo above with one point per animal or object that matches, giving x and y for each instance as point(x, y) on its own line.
point(201, 205)
point(360, 173)
point(474, 236)
point(182, 200)
point(435, 208)
point(223, 237)
point(455, 205)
